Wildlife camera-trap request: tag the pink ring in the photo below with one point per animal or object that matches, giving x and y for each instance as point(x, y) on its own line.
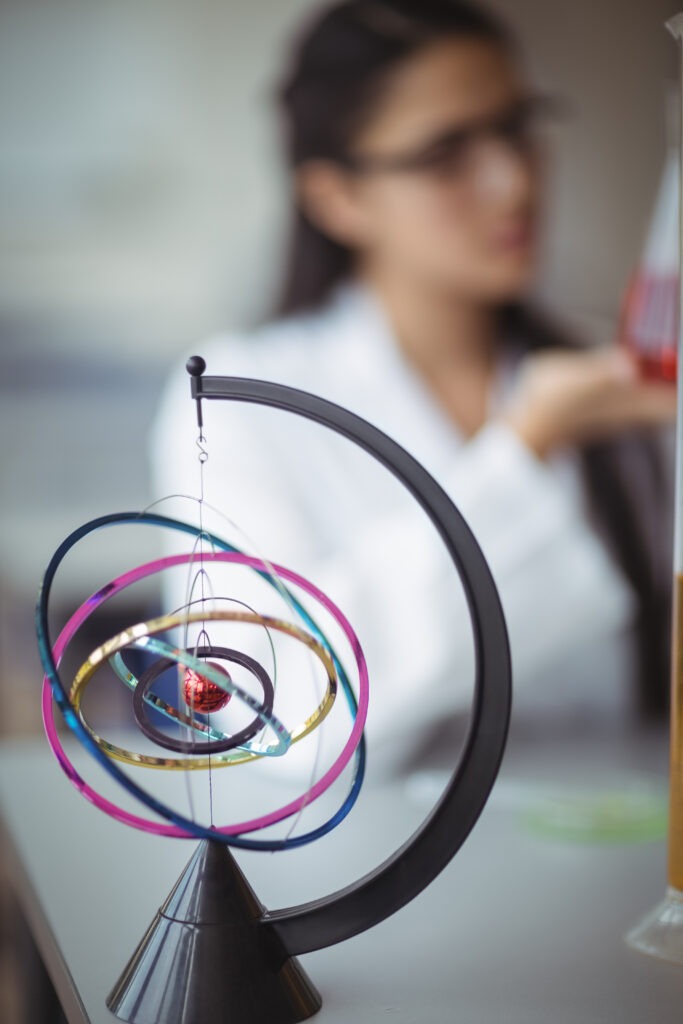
point(255, 824)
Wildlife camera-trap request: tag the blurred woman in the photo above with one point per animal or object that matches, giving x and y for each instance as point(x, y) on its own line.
point(411, 132)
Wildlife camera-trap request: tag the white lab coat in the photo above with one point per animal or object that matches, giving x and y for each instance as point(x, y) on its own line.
point(315, 503)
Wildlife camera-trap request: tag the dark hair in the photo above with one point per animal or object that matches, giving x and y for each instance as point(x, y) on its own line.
point(339, 66)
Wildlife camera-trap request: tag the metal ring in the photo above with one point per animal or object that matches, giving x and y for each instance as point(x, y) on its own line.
point(150, 676)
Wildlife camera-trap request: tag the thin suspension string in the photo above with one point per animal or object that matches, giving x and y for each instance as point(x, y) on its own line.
point(203, 456)
point(201, 574)
point(193, 577)
point(196, 575)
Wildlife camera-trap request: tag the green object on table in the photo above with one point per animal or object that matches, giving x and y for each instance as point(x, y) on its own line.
point(613, 815)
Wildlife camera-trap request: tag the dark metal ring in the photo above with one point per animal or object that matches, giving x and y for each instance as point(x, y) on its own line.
point(149, 677)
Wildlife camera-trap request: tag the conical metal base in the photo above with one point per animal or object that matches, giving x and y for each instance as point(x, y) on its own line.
point(207, 958)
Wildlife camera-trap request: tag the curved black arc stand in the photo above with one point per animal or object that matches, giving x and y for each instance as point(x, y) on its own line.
point(405, 874)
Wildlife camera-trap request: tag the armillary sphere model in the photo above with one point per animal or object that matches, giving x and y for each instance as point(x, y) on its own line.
point(213, 952)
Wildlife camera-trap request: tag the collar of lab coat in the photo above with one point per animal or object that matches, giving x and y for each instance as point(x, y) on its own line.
point(368, 373)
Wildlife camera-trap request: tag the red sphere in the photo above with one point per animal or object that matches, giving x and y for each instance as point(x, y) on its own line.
point(203, 695)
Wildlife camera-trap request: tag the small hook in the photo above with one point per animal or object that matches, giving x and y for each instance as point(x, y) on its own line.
point(201, 442)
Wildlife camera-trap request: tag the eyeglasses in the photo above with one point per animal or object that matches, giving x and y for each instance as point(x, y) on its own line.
point(454, 151)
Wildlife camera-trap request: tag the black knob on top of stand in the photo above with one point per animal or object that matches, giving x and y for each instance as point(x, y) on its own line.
point(195, 366)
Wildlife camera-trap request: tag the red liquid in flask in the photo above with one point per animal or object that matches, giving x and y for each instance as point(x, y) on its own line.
point(662, 366)
point(649, 324)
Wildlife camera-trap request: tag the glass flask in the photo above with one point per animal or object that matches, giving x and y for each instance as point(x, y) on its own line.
point(660, 934)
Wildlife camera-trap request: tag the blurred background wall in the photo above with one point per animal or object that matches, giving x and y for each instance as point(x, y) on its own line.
point(141, 208)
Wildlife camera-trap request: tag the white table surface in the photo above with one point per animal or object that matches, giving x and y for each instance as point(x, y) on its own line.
point(519, 929)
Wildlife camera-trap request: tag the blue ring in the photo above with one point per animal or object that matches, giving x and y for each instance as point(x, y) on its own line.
point(61, 696)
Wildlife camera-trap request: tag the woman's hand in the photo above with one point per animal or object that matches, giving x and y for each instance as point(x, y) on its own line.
point(568, 398)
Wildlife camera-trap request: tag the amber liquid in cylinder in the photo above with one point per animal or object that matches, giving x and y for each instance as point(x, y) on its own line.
point(676, 766)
